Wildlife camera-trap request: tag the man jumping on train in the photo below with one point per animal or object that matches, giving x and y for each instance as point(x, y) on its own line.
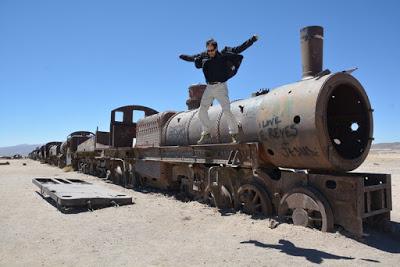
point(218, 68)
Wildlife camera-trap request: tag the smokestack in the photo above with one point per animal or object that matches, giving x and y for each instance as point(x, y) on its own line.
point(312, 38)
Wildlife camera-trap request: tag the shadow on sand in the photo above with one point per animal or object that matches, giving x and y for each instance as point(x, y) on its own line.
point(287, 247)
point(386, 241)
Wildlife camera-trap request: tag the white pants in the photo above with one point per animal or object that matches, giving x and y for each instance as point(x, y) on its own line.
point(220, 92)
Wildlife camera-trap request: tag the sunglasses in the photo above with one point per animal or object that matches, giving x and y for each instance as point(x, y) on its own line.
point(210, 51)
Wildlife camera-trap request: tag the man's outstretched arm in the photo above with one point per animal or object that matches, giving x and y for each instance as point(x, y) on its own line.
point(239, 49)
point(189, 58)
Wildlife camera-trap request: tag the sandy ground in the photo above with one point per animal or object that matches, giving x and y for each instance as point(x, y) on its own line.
point(159, 230)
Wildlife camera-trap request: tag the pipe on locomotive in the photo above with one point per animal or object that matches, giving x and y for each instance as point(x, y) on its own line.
point(322, 122)
point(311, 39)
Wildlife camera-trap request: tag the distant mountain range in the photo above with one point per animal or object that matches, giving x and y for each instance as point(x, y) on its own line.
point(23, 150)
point(392, 146)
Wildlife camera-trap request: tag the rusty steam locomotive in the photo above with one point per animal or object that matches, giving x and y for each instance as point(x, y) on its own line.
point(299, 142)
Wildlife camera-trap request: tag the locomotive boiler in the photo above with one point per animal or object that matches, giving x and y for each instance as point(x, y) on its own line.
point(322, 123)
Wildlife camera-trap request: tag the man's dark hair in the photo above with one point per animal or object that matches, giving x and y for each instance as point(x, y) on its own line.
point(212, 42)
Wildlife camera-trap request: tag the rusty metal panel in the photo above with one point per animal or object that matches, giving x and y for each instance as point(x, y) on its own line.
point(77, 138)
point(245, 155)
point(54, 150)
point(102, 138)
point(96, 142)
point(69, 193)
point(195, 93)
point(344, 193)
point(150, 129)
point(360, 195)
point(87, 146)
point(155, 173)
point(123, 132)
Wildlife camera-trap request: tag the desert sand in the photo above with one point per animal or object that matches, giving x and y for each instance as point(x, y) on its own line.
point(159, 230)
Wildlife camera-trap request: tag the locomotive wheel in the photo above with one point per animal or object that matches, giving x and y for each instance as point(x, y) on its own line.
point(254, 200)
point(219, 197)
point(307, 207)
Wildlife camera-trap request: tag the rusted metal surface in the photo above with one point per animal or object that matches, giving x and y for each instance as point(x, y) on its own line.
point(195, 93)
point(102, 138)
point(54, 152)
point(254, 200)
point(88, 145)
point(154, 173)
point(51, 150)
point(150, 129)
point(307, 207)
point(123, 132)
point(244, 155)
point(68, 149)
point(317, 124)
point(69, 193)
point(312, 39)
point(344, 194)
point(98, 141)
point(77, 138)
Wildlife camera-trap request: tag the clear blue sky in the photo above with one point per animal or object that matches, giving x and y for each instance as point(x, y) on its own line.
point(64, 65)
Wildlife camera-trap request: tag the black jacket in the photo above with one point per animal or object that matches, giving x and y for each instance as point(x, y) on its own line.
point(224, 65)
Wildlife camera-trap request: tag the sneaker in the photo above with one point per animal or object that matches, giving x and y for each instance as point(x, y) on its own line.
point(235, 138)
point(205, 138)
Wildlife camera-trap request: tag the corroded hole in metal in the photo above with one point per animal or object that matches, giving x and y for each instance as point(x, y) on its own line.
point(348, 121)
point(354, 126)
point(330, 184)
point(271, 152)
point(296, 119)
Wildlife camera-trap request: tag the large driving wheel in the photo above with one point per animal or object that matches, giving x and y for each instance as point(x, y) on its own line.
point(254, 200)
point(305, 206)
point(219, 197)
